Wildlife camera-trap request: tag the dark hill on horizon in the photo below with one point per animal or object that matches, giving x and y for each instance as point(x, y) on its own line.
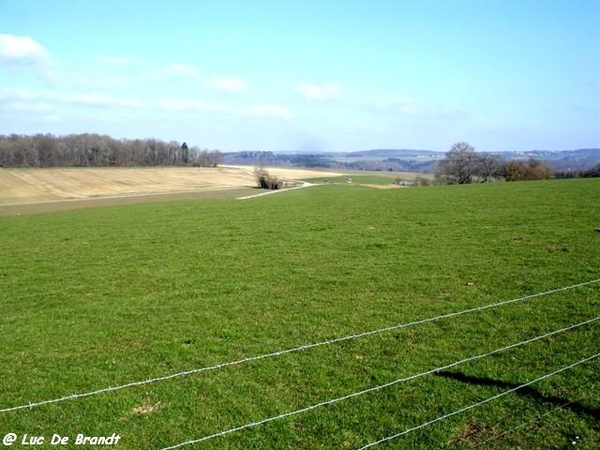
point(406, 159)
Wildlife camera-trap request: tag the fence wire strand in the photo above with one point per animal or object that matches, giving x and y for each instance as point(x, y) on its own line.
point(75, 396)
point(522, 425)
point(480, 403)
point(377, 388)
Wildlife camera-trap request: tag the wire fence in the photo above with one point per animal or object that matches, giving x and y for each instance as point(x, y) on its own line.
point(305, 347)
point(522, 425)
point(392, 383)
point(480, 403)
point(365, 391)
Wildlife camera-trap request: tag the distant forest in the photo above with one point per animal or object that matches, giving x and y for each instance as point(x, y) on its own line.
point(94, 150)
point(327, 161)
point(566, 164)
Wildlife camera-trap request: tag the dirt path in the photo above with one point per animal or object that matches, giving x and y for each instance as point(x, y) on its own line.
point(275, 191)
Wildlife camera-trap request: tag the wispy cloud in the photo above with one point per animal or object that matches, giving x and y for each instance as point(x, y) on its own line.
point(49, 101)
point(105, 100)
point(191, 105)
point(54, 99)
point(26, 95)
point(226, 84)
point(182, 69)
point(22, 51)
point(409, 108)
point(320, 92)
point(263, 111)
point(24, 103)
point(29, 107)
point(86, 80)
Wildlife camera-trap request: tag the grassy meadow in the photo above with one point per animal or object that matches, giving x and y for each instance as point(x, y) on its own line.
point(104, 296)
point(372, 178)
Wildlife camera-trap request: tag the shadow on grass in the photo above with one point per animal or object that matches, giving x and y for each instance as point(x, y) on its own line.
point(526, 391)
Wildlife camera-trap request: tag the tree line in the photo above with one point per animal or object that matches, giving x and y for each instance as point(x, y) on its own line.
point(95, 150)
point(592, 172)
point(463, 165)
point(324, 160)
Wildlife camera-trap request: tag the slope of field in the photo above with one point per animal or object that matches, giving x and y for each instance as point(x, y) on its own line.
point(37, 185)
point(102, 297)
point(20, 187)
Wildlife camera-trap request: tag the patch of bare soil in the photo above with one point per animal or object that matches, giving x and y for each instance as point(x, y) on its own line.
point(24, 191)
point(20, 186)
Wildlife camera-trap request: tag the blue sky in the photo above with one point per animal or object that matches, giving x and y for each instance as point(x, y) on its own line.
point(306, 75)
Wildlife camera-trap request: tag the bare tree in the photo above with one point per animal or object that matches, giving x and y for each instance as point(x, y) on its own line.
point(459, 166)
point(488, 166)
point(95, 150)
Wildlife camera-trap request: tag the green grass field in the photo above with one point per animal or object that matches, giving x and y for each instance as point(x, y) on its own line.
point(100, 297)
point(372, 177)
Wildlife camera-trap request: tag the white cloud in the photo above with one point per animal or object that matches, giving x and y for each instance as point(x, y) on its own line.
point(26, 95)
point(87, 79)
point(409, 108)
point(44, 103)
point(21, 50)
point(104, 100)
point(182, 69)
point(29, 107)
point(191, 105)
point(322, 92)
point(24, 101)
point(227, 84)
point(55, 99)
point(270, 111)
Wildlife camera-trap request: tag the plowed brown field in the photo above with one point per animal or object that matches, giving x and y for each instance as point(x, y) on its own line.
point(20, 187)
